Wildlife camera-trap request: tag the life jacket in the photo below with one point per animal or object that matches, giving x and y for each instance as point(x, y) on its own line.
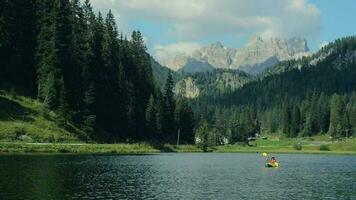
point(271, 161)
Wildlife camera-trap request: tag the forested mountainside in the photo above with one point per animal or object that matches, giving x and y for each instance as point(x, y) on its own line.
point(311, 96)
point(80, 66)
point(160, 73)
point(211, 83)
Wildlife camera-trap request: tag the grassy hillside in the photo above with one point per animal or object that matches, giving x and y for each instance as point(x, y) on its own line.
point(25, 119)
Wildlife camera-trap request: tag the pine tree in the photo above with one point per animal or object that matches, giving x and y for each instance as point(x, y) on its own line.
point(159, 117)
point(168, 110)
point(151, 116)
point(17, 46)
point(202, 134)
point(352, 118)
point(52, 90)
point(89, 116)
point(338, 119)
point(143, 78)
point(44, 54)
point(81, 52)
point(295, 122)
point(64, 56)
point(272, 121)
point(286, 118)
point(64, 111)
point(185, 121)
point(323, 113)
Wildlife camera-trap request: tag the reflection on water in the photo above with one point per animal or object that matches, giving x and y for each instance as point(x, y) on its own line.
point(176, 176)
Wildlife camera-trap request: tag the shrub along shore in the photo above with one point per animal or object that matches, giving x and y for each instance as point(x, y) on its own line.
point(347, 146)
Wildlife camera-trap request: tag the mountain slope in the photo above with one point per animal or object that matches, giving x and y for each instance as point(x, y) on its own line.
point(160, 73)
point(255, 57)
point(211, 83)
point(333, 72)
point(25, 119)
point(303, 97)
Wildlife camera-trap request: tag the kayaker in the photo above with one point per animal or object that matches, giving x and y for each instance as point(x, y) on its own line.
point(272, 160)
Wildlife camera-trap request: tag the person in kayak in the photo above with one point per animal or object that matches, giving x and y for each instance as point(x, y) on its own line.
point(272, 160)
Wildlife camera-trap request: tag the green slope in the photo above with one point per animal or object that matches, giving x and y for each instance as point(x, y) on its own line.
point(25, 119)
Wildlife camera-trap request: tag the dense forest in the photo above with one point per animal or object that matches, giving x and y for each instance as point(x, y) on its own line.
point(81, 67)
point(303, 97)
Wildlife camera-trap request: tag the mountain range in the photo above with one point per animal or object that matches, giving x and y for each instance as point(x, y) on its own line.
point(254, 58)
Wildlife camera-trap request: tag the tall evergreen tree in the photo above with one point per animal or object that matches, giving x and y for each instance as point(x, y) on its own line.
point(185, 121)
point(202, 134)
point(295, 122)
point(169, 103)
point(352, 118)
point(143, 78)
point(323, 113)
point(17, 46)
point(338, 119)
point(64, 69)
point(44, 54)
point(286, 118)
point(151, 116)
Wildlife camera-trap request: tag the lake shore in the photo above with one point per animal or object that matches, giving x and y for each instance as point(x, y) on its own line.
point(132, 149)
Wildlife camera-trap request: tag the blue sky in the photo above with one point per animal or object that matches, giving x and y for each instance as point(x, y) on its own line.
point(174, 27)
point(338, 20)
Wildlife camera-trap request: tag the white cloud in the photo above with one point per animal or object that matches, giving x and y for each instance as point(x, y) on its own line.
point(190, 20)
point(165, 53)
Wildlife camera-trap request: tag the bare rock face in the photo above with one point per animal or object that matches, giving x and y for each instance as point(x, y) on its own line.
point(187, 88)
point(255, 57)
point(216, 55)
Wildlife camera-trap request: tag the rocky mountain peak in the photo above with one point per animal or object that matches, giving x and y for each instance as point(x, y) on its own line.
point(258, 54)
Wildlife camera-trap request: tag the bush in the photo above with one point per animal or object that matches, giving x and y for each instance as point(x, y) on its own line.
point(168, 148)
point(324, 147)
point(297, 146)
point(13, 94)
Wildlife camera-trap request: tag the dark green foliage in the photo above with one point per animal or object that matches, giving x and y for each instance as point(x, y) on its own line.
point(17, 46)
point(324, 147)
point(297, 146)
point(151, 116)
point(352, 119)
point(202, 134)
point(247, 125)
point(295, 99)
point(323, 113)
point(44, 56)
point(84, 70)
point(185, 121)
point(286, 118)
point(295, 123)
point(338, 117)
point(169, 104)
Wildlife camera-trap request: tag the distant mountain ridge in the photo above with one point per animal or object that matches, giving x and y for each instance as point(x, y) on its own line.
point(254, 58)
point(193, 84)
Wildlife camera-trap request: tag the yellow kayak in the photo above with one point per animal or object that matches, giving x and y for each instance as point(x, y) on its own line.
point(275, 164)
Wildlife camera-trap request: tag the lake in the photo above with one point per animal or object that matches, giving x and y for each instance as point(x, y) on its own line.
point(177, 176)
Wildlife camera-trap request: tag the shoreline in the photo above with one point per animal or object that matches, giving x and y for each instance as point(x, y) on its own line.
point(7, 148)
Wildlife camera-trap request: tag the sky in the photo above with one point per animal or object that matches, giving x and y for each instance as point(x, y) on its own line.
point(172, 27)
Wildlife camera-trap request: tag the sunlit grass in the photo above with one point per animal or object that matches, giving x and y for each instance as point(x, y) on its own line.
point(77, 148)
point(23, 118)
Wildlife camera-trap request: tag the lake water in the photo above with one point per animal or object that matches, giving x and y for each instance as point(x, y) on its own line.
point(177, 176)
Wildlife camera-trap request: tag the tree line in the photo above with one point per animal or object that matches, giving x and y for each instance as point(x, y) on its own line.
point(90, 74)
